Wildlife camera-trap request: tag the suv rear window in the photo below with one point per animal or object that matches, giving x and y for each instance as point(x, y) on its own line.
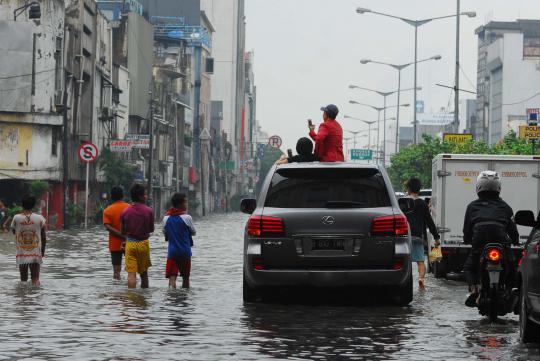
point(327, 188)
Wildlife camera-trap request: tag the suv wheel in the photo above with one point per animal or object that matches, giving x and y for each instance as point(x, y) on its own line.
point(403, 295)
point(249, 294)
point(528, 330)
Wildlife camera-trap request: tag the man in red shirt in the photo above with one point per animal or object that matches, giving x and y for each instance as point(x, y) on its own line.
point(329, 138)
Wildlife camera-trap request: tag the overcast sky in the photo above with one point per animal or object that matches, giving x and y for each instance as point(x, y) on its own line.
point(307, 52)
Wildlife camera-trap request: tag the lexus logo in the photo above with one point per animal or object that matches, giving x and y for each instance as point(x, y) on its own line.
point(328, 220)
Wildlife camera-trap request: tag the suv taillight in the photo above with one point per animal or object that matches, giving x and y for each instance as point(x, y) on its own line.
point(390, 226)
point(262, 225)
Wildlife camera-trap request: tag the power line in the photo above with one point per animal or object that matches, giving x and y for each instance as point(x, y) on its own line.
point(23, 75)
point(27, 86)
point(466, 77)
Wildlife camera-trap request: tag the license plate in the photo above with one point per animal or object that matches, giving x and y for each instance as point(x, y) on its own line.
point(328, 245)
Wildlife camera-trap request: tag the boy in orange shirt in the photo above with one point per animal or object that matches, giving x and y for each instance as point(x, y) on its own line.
point(111, 221)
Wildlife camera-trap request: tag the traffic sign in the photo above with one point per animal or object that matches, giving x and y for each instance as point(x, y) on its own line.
point(532, 116)
point(275, 141)
point(529, 132)
point(361, 154)
point(457, 137)
point(88, 152)
point(260, 150)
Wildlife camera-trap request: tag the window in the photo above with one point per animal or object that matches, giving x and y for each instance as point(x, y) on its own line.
point(327, 187)
point(54, 142)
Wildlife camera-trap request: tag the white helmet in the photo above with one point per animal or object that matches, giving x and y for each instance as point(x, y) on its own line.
point(488, 181)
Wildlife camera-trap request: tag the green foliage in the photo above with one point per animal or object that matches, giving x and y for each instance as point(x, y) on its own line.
point(416, 160)
point(12, 211)
point(270, 156)
point(38, 188)
point(75, 213)
point(116, 170)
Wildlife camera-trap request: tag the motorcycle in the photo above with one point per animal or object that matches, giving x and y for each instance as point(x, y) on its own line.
point(497, 295)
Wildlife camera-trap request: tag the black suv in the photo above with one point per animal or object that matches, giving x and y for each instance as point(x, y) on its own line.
point(327, 225)
point(529, 278)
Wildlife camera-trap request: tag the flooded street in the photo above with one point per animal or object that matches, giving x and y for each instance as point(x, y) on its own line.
point(80, 313)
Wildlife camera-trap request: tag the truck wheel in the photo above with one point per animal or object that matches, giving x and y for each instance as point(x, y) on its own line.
point(249, 294)
point(404, 294)
point(439, 269)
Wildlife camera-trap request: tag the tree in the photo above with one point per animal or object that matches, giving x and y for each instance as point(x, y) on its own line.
point(416, 160)
point(115, 170)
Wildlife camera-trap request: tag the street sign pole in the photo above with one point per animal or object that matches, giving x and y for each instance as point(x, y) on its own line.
point(87, 153)
point(86, 197)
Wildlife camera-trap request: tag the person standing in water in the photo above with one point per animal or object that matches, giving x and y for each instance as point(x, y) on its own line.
point(111, 221)
point(30, 238)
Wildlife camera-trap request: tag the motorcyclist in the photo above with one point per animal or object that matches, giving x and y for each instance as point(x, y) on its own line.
point(487, 219)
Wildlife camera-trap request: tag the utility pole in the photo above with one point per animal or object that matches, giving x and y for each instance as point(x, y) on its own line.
point(456, 81)
point(151, 153)
point(65, 157)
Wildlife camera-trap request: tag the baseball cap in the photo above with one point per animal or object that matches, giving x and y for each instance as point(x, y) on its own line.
point(331, 110)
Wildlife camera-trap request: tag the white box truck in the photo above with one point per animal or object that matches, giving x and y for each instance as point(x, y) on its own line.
point(454, 187)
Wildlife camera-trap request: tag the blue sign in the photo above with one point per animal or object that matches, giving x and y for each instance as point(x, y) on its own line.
point(419, 106)
point(260, 150)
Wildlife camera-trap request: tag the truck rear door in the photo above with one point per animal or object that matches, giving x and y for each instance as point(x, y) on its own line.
point(458, 190)
point(520, 184)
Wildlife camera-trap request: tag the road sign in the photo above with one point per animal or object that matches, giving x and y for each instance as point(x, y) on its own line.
point(275, 141)
point(419, 106)
point(529, 132)
point(457, 137)
point(361, 154)
point(532, 116)
point(88, 152)
point(260, 150)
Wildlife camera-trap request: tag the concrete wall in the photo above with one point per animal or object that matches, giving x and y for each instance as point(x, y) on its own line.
point(123, 107)
point(27, 152)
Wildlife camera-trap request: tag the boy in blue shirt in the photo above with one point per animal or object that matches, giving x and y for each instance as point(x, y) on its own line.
point(178, 229)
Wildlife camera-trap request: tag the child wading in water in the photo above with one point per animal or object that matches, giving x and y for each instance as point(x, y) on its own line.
point(30, 239)
point(137, 223)
point(178, 228)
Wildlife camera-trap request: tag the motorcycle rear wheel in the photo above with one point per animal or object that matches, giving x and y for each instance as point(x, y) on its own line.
point(493, 304)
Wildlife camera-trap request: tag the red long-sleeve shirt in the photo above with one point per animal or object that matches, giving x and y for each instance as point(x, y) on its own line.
point(329, 142)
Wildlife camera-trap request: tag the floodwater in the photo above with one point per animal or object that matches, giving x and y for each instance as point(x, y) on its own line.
point(80, 313)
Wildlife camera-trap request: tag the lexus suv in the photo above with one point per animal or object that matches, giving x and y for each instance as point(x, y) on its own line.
point(327, 225)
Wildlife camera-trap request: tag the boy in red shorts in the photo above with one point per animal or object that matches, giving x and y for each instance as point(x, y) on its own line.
point(178, 228)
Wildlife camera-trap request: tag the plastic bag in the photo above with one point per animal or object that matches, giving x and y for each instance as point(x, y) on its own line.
point(435, 255)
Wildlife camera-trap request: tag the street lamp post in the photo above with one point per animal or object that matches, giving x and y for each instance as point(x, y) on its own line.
point(399, 68)
point(384, 95)
point(378, 109)
point(368, 122)
point(416, 24)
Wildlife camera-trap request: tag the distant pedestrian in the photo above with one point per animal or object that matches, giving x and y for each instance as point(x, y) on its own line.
point(329, 138)
point(304, 148)
point(178, 229)
point(30, 238)
point(111, 221)
point(137, 224)
point(3, 215)
point(420, 218)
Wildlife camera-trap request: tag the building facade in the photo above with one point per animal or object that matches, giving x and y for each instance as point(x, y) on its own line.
point(508, 76)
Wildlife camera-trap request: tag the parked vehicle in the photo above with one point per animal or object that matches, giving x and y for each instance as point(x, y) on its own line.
point(529, 279)
point(454, 187)
point(327, 225)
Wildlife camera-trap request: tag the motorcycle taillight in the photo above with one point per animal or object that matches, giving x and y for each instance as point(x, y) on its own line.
point(493, 255)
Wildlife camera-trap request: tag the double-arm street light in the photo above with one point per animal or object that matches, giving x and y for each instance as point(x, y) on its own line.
point(399, 68)
point(379, 110)
point(416, 24)
point(368, 122)
point(384, 95)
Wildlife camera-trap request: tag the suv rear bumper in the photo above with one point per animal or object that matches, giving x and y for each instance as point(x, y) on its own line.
point(329, 278)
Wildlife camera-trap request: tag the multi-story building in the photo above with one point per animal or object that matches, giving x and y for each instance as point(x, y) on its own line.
point(467, 115)
point(31, 88)
point(507, 77)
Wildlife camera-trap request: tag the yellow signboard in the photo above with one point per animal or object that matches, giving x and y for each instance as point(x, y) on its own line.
point(457, 138)
point(529, 132)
